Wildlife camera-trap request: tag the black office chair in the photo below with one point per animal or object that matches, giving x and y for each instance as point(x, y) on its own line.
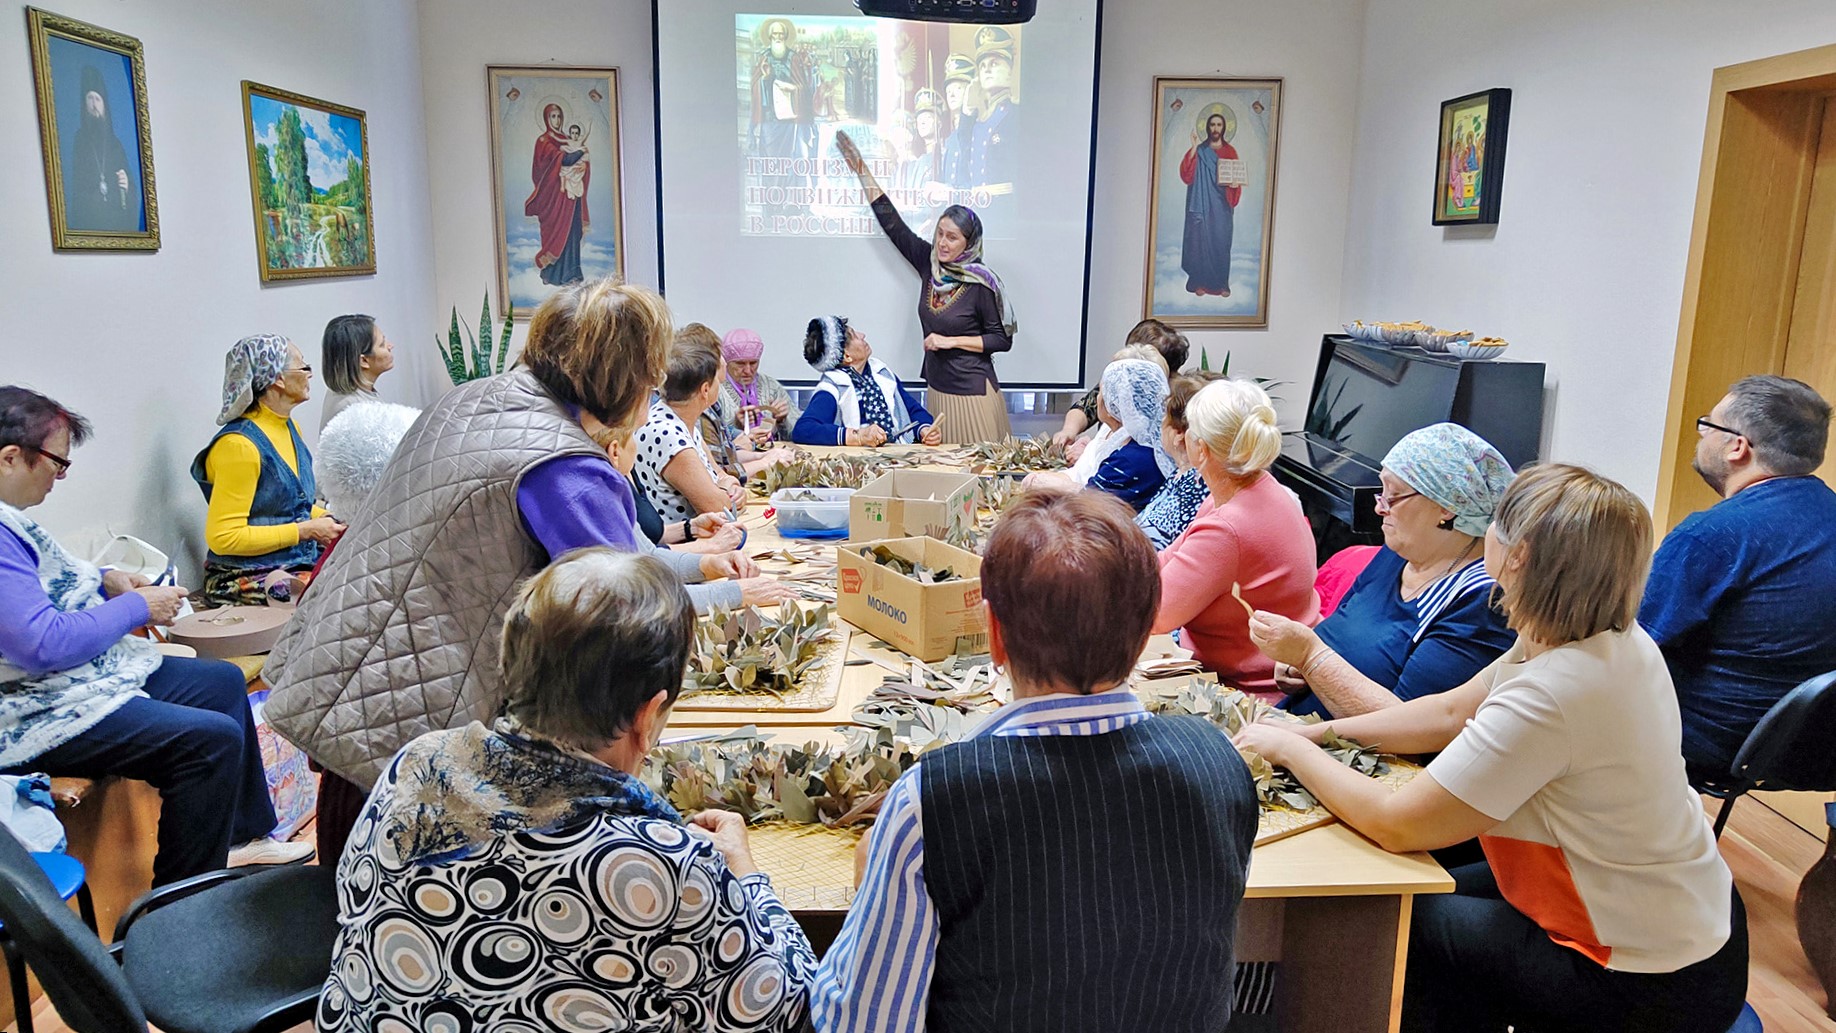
point(1789, 749)
point(244, 950)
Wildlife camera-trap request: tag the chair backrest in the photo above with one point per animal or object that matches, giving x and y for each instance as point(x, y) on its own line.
point(82, 980)
point(1791, 748)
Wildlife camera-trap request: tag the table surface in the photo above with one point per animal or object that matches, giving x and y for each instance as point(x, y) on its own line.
point(1329, 861)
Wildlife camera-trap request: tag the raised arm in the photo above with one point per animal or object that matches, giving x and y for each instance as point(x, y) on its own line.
point(913, 248)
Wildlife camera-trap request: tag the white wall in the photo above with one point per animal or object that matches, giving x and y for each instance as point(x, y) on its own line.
point(1314, 48)
point(1585, 268)
point(458, 38)
point(135, 342)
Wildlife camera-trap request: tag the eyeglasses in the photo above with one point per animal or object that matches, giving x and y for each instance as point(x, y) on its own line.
point(1705, 422)
point(300, 369)
point(63, 464)
point(1386, 503)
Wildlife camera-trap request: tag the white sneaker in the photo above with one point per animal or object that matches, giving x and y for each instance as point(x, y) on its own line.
point(267, 851)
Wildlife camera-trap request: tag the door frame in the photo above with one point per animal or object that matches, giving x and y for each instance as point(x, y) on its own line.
point(1758, 156)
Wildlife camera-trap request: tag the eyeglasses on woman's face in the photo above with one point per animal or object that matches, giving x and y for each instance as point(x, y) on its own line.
point(1387, 503)
point(63, 463)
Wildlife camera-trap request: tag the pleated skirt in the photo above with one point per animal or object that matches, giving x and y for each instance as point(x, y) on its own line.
point(970, 419)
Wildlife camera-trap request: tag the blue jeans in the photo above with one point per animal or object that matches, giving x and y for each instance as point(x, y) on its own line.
point(194, 740)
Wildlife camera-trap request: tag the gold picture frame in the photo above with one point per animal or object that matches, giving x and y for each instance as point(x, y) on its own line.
point(536, 253)
point(1212, 271)
point(307, 229)
point(72, 60)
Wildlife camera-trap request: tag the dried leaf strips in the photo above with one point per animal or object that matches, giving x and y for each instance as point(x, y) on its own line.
point(933, 705)
point(1231, 709)
point(806, 785)
point(804, 470)
point(1016, 455)
point(745, 650)
point(918, 572)
point(842, 786)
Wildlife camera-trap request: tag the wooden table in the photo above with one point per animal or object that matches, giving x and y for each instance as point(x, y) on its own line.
point(1330, 905)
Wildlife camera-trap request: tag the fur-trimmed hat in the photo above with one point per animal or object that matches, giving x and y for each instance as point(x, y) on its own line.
point(825, 342)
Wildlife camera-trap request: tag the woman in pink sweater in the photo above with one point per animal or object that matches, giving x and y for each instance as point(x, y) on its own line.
point(1250, 533)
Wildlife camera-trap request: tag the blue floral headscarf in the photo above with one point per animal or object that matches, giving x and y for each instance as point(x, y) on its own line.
point(1135, 392)
point(251, 367)
point(1459, 470)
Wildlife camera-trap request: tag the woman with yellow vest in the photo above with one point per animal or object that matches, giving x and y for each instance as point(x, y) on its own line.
point(256, 475)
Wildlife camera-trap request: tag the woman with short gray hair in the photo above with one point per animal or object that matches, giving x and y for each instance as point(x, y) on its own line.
point(520, 876)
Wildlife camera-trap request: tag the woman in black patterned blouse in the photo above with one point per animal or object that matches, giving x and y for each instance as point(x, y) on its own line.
point(961, 308)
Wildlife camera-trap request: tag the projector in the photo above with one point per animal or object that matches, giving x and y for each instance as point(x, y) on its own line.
point(969, 12)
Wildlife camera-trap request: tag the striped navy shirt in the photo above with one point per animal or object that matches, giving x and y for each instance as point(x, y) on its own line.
point(877, 974)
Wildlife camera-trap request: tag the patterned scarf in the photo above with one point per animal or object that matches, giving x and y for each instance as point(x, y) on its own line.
point(1458, 470)
point(457, 789)
point(873, 403)
point(251, 367)
point(968, 268)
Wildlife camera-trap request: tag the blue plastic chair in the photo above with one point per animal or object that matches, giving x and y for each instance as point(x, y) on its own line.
point(70, 880)
point(1749, 1022)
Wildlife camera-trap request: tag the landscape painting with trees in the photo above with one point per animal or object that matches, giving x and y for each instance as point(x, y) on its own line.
point(309, 177)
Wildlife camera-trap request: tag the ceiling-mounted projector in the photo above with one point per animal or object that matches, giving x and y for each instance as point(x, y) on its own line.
point(970, 12)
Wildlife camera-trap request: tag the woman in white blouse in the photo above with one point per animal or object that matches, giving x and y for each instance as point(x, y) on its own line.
point(1603, 904)
point(521, 877)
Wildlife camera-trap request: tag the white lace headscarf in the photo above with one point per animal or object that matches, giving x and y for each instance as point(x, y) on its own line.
point(1135, 392)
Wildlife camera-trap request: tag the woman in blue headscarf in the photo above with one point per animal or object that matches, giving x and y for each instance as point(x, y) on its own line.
point(1419, 620)
point(256, 475)
point(962, 309)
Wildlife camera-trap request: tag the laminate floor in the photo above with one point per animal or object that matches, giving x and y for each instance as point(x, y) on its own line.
point(1768, 855)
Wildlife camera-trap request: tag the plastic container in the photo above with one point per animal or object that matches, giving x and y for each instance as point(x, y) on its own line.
point(826, 517)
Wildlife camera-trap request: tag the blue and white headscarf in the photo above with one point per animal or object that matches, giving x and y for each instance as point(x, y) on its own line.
point(251, 367)
point(1459, 470)
point(1135, 392)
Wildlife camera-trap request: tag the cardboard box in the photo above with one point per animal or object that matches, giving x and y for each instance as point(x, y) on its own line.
point(923, 620)
point(908, 503)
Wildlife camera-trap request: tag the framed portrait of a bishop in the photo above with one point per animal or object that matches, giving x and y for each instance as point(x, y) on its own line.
point(97, 138)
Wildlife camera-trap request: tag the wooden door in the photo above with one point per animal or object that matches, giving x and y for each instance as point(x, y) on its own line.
point(1810, 350)
point(1760, 292)
point(1759, 295)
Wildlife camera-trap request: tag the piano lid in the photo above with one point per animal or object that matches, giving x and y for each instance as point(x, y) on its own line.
point(1367, 397)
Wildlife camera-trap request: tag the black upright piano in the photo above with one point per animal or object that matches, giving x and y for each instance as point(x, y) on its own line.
point(1365, 397)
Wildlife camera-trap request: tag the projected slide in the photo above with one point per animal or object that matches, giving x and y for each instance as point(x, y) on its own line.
point(762, 226)
point(934, 109)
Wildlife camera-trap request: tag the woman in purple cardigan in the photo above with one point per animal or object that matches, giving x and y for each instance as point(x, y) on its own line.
point(80, 696)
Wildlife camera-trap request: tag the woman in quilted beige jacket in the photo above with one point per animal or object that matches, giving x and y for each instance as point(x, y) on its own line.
point(399, 634)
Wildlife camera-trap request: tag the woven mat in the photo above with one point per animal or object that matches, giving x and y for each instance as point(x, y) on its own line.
point(812, 867)
point(820, 689)
point(1277, 823)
